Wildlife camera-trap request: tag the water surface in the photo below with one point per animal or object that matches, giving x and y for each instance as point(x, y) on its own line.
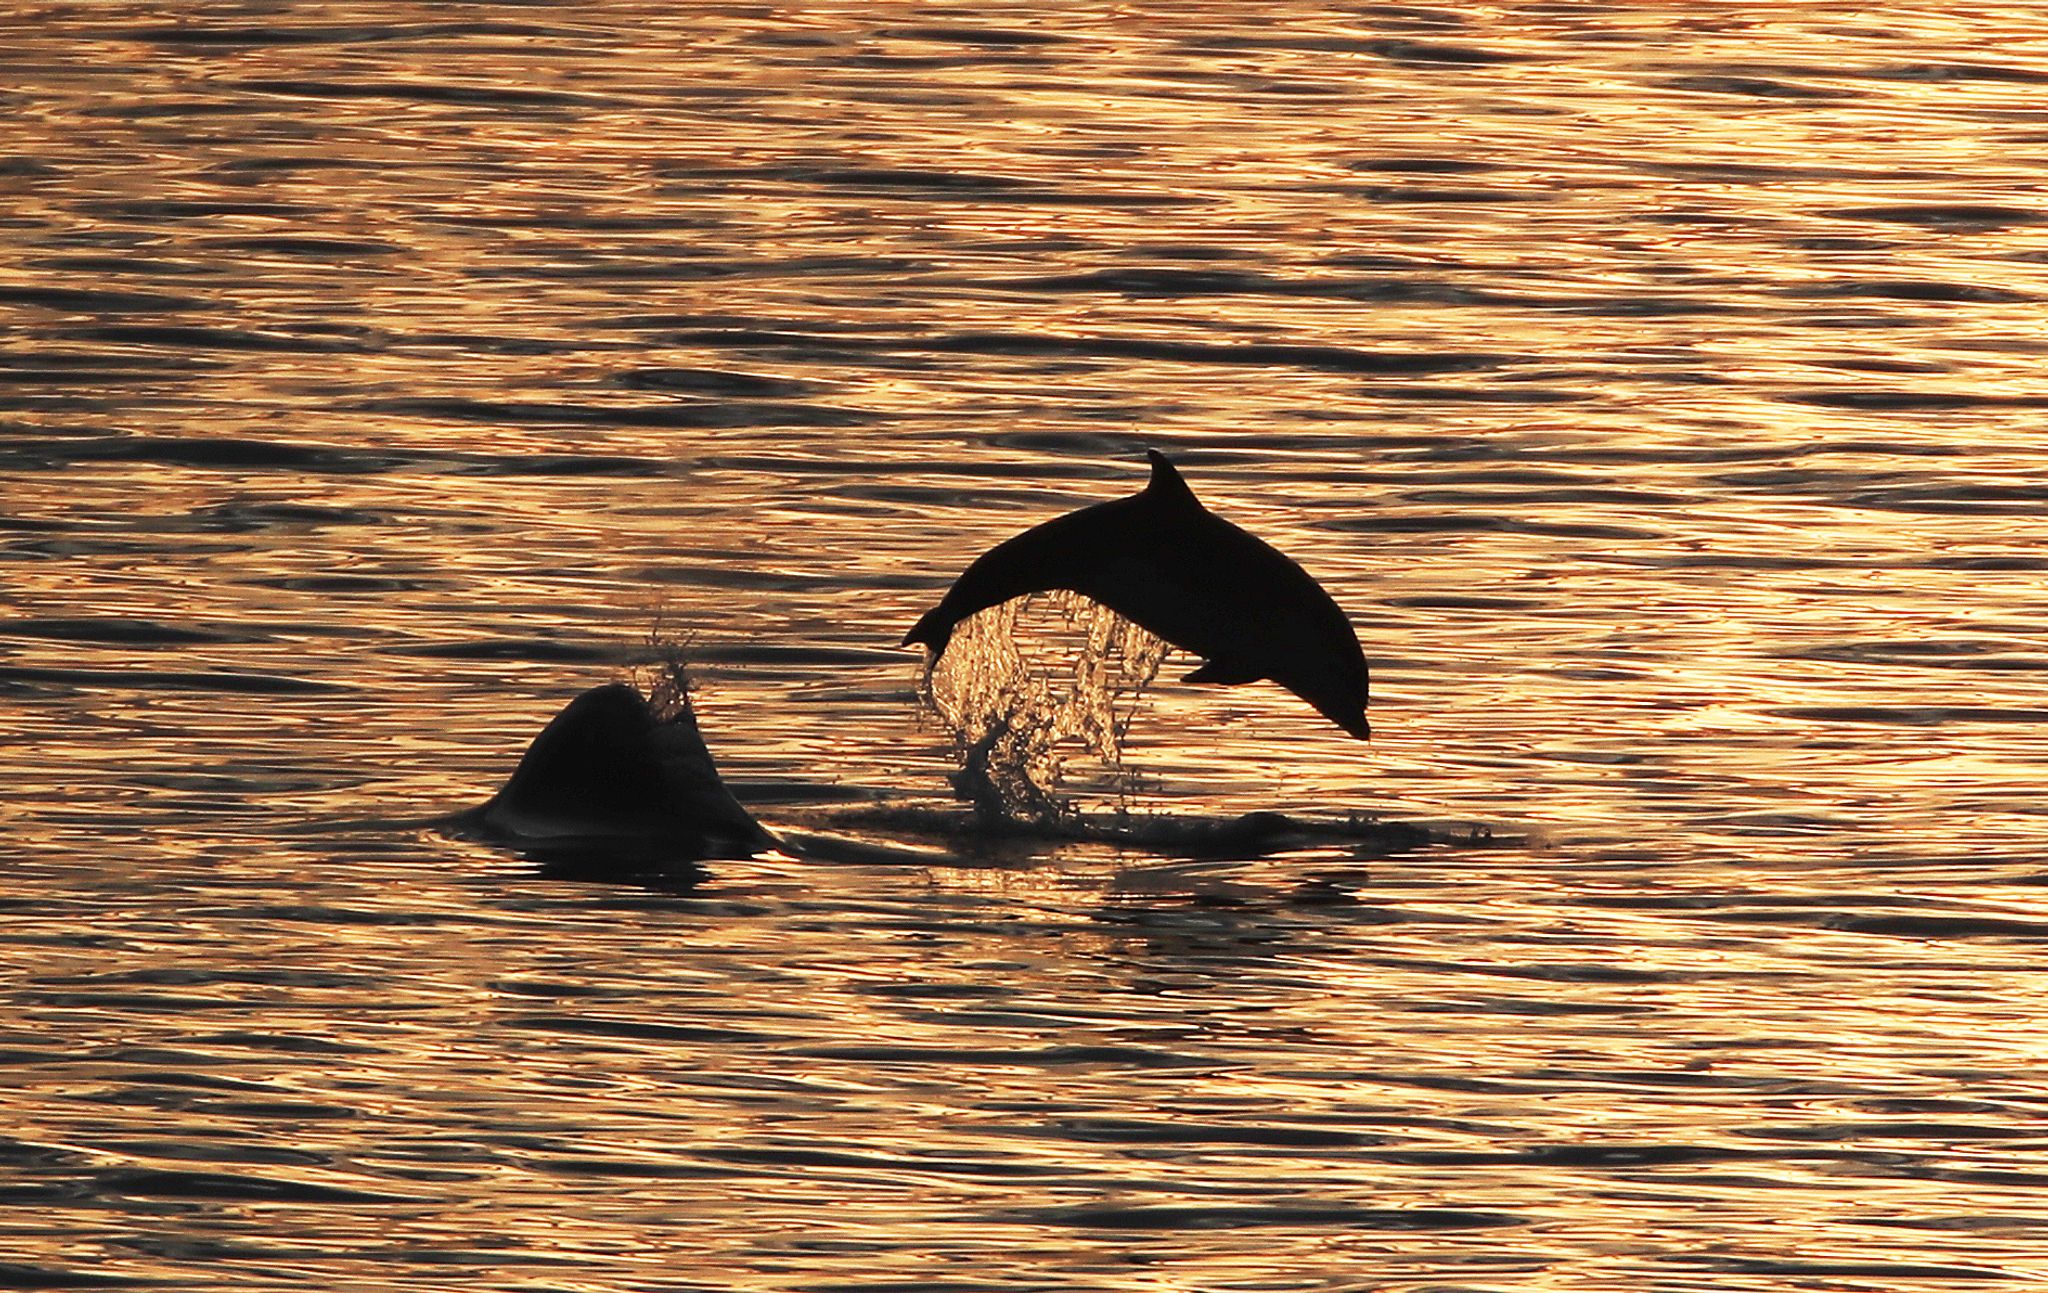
point(1658, 388)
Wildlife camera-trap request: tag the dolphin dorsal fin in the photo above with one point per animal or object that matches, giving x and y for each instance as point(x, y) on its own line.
point(1166, 484)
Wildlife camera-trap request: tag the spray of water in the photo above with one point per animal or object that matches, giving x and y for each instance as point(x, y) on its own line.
point(1027, 689)
point(664, 677)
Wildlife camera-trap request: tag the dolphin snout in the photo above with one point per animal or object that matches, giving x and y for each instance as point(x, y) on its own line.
point(1355, 724)
point(933, 630)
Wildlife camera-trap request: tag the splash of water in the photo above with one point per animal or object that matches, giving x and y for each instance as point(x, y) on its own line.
point(1025, 688)
point(664, 677)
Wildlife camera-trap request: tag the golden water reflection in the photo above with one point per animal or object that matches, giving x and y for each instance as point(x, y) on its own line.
point(1658, 391)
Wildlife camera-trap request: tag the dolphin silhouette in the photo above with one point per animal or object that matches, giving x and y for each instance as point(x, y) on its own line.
point(1166, 563)
point(609, 773)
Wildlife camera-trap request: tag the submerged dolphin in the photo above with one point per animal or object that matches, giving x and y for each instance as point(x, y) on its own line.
point(1163, 561)
point(610, 774)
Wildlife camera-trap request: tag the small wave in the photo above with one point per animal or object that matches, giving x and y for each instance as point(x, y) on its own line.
point(1910, 715)
point(1832, 1271)
point(709, 414)
point(196, 337)
point(366, 585)
point(1938, 215)
point(195, 451)
point(93, 366)
point(91, 300)
point(527, 650)
point(1753, 87)
point(1968, 653)
point(173, 209)
point(1247, 835)
point(1959, 497)
point(156, 1184)
point(716, 381)
point(268, 34)
point(1440, 193)
point(637, 1030)
point(251, 516)
point(1427, 52)
point(1480, 524)
point(121, 630)
point(148, 680)
point(1863, 397)
point(445, 92)
point(1425, 165)
point(989, 37)
point(1993, 72)
point(1897, 289)
point(303, 245)
point(24, 1275)
point(1047, 1057)
point(1320, 358)
point(1320, 1217)
point(812, 1156)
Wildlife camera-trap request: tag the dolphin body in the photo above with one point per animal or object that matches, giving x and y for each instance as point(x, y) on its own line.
point(1166, 563)
point(610, 783)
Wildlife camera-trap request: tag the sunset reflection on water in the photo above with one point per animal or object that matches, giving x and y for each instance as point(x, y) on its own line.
point(1657, 389)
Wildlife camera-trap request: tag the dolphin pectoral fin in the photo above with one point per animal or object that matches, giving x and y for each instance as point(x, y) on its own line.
point(1223, 673)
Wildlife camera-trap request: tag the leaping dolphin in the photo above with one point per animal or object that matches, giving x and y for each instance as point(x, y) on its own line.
point(1166, 563)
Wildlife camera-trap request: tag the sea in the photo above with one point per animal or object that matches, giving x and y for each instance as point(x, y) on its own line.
point(1660, 389)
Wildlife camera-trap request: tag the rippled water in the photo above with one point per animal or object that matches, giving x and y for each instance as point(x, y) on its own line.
point(1660, 388)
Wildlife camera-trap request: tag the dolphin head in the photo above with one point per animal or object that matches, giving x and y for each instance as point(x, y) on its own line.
point(1338, 694)
point(1352, 721)
point(934, 630)
point(1325, 666)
